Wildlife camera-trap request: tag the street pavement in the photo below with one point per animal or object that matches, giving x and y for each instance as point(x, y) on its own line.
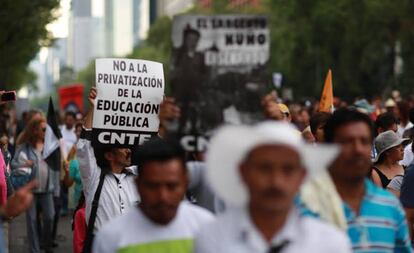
point(18, 242)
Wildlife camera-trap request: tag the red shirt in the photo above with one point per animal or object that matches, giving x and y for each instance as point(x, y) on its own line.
point(79, 231)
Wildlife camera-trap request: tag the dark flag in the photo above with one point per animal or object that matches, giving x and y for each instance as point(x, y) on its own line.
point(51, 149)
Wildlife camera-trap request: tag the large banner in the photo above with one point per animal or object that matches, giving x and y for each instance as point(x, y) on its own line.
point(218, 72)
point(128, 102)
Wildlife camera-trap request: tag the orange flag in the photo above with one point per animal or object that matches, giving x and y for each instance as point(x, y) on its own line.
point(326, 103)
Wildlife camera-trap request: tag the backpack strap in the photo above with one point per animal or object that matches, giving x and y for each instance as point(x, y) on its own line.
point(87, 248)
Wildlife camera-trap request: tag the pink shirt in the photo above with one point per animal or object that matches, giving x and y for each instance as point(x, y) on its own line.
point(3, 184)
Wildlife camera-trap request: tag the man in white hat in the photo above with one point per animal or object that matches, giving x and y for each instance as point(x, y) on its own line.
point(258, 171)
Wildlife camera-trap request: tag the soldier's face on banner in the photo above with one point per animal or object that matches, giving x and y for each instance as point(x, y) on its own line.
point(191, 41)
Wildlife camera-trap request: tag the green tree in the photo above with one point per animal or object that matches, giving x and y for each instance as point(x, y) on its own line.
point(22, 34)
point(357, 39)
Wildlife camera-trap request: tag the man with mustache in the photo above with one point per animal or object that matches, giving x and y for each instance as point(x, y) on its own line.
point(258, 171)
point(162, 222)
point(106, 170)
point(375, 219)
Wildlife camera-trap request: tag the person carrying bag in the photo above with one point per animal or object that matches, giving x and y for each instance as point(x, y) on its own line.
point(20, 176)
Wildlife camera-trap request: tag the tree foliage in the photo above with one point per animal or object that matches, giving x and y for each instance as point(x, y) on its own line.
point(356, 39)
point(22, 34)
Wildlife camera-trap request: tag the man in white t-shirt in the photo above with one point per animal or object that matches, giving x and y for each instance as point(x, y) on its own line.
point(68, 131)
point(162, 222)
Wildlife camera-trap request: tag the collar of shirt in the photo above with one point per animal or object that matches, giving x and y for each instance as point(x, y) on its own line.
point(132, 170)
point(128, 171)
point(249, 234)
point(349, 213)
point(379, 225)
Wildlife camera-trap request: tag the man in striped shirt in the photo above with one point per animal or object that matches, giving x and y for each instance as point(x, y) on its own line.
point(375, 219)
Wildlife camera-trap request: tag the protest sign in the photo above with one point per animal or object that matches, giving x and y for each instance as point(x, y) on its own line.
point(128, 101)
point(218, 72)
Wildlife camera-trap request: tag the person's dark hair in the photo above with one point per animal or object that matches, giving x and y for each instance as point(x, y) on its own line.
point(31, 113)
point(157, 149)
point(70, 113)
point(317, 120)
point(385, 121)
point(27, 134)
point(99, 152)
point(381, 158)
point(342, 117)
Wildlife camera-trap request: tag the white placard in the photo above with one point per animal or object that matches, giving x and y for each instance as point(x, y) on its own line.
point(129, 93)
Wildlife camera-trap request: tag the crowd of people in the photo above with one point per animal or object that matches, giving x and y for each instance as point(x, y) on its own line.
point(300, 181)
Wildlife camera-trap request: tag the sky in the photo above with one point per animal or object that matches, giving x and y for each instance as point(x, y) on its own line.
point(60, 27)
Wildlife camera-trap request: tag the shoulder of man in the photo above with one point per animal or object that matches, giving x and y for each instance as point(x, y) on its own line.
point(199, 214)
point(324, 234)
point(224, 224)
point(114, 227)
point(384, 200)
point(219, 235)
point(378, 194)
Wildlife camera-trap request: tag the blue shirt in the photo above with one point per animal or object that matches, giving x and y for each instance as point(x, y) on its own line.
point(74, 174)
point(380, 225)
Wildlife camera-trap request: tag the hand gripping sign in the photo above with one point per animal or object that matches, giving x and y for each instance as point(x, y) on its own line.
point(128, 101)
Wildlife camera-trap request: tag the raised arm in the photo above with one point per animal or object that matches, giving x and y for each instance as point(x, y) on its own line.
point(89, 170)
point(168, 111)
point(88, 120)
point(270, 107)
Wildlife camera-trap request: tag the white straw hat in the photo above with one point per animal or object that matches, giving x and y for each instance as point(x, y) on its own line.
point(231, 144)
